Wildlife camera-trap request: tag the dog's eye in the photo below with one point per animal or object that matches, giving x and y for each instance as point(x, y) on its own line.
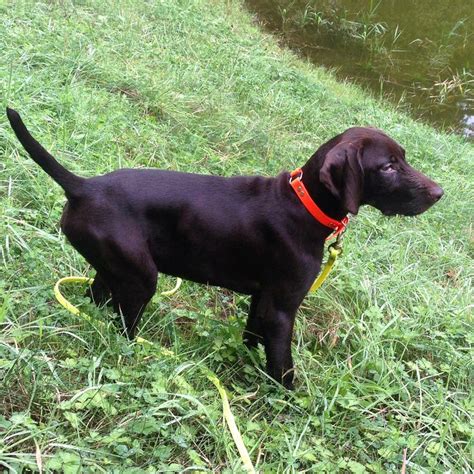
point(387, 168)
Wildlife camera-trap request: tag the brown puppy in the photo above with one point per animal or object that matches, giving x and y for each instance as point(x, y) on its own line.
point(249, 234)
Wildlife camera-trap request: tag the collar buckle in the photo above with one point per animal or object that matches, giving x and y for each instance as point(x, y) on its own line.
point(296, 175)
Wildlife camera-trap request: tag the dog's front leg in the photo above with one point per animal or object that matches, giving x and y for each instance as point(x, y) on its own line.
point(253, 329)
point(275, 324)
point(277, 334)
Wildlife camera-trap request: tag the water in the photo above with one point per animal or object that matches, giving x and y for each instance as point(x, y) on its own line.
point(419, 54)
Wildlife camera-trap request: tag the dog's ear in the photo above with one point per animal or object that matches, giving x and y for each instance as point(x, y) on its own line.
point(343, 175)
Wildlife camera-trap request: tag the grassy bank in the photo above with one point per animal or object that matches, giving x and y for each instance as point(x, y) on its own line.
point(383, 351)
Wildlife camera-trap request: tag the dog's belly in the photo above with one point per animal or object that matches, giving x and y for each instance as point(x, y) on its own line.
point(247, 287)
point(236, 270)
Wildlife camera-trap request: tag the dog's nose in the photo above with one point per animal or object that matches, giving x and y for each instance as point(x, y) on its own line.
point(436, 193)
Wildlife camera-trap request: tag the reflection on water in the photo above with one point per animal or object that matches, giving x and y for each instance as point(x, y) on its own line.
point(419, 54)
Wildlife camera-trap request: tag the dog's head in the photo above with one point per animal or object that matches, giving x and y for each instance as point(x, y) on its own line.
point(365, 166)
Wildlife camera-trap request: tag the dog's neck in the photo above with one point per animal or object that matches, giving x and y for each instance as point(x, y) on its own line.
point(325, 200)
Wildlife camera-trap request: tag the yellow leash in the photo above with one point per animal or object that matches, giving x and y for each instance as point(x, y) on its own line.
point(234, 430)
point(228, 416)
point(64, 302)
point(335, 249)
point(88, 281)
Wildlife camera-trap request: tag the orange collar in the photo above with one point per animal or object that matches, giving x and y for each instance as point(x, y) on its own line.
point(300, 189)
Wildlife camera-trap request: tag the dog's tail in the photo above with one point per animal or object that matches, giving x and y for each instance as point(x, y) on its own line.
point(71, 183)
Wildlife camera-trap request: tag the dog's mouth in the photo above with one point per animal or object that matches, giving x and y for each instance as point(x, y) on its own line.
point(419, 204)
point(408, 211)
point(417, 200)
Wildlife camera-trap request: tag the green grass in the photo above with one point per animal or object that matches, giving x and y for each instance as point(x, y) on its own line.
point(383, 352)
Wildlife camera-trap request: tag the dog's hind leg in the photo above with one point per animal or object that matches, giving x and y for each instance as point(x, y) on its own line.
point(130, 296)
point(131, 275)
point(124, 267)
point(98, 292)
